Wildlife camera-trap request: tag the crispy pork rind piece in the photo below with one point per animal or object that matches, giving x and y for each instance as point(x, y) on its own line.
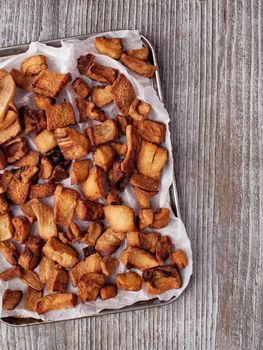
point(93, 233)
point(108, 291)
point(101, 73)
point(104, 156)
point(129, 281)
point(28, 173)
point(139, 110)
point(109, 265)
point(42, 190)
point(91, 264)
point(89, 211)
point(79, 171)
point(32, 297)
point(11, 299)
point(84, 62)
point(89, 111)
point(59, 174)
point(49, 83)
point(138, 66)
point(45, 141)
point(144, 182)
point(22, 228)
point(57, 280)
point(21, 80)
point(72, 143)
point(10, 252)
point(33, 65)
point(163, 249)
point(140, 54)
point(63, 254)
point(18, 191)
point(145, 218)
point(179, 258)
point(60, 115)
point(31, 120)
point(108, 242)
point(30, 159)
point(65, 201)
point(89, 286)
point(133, 144)
point(119, 148)
point(12, 272)
point(28, 210)
point(137, 258)
point(120, 218)
point(105, 132)
point(11, 131)
point(31, 279)
point(10, 116)
point(151, 131)
point(81, 88)
point(111, 47)
point(162, 278)
point(45, 218)
point(115, 174)
point(43, 102)
point(5, 179)
point(93, 186)
point(101, 95)
point(30, 257)
point(160, 218)
point(46, 168)
point(112, 197)
point(3, 205)
point(6, 227)
point(123, 94)
point(74, 233)
point(56, 301)
point(46, 267)
point(7, 92)
point(151, 160)
point(123, 122)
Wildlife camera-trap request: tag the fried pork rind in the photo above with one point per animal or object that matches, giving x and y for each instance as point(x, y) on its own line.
point(11, 299)
point(45, 141)
point(101, 73)
point(133, 144)
point(60, 115)
point(63, 254)
point(31, 279)
point(72, 143)
point(140, 54)
point(32, 121)
point(93, 186)
point(108, 242)
point(108, 291)
point(89, 286)
point(32, 297)
point(18, 191)
point(111, 47)
point(49, 83)
point(46, 267)
point(130, 281)
point(59, 174)
point(91, 264)
point(10, 252)
point(11, 131)
point(43, 102)
point(123, 94)
point(112, 197)
point(10, 116)
point(151, 131)
point(28, 210)
point(28, 173)
point(46, 225)
point(163, 249)
point(93, 232)
point(3, 162)
point(30, 159)
point(138, 66)
point(101, 95)
point(119, 148)
point(79, 171)
point(109, 265)
point(120, 218)
point(15, 149)
point(6, 227)
point(74, 233)
point(12, 272)
point(84, 62)
point(144, 182)
point(137, 258)
point(57, 280)
point(105, 132)
point(22, 81)
point(89, 211)
point(139, 110)
point(179, 258)
point(33, 65)
point(151, 160)
point(5, 179)
point(162, 278)
point(31, 255)
point(65, 201)
point(56, 301)
point(42, 190)
point(145, 218)
point(89, 111)
point(160, 218)
point(115, 174)
point(46, 168)
point(104, 156)
point(3, 205)
point(81, 88)
point(7, 92)
point(22, 228)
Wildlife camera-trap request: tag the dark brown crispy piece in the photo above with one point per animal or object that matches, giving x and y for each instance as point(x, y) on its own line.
point(43, 102)
point(56, 301)
point(50, 83)
point(57, 280)
point(84, 63)
point(101, 73)
point(31, 255)
point(10, 252)
point(140, 54)
point(93, 233)
point(108, 291)
point(22, 228)
point(30, 159)
point(111, 47)
point(28, 210)
point(81, 88)
point(144, 182)
point(46, 168)
point(105, 132)
point(115, 174)
point(11, 299)
point(73, 232)
point(123, 94)
point(129, 281)
point(87, 251)
point(15, 149)
point(42, 190)
point(151, 131)
point(6, 227)
point(133, 144)
point(32, 297)
point(22, 81)
point(160, 218)
point(89, 111)
point(163, 249)
point(112, 197)
point(3, 162)
point(59, 174)
point(29, 119)
point(138, 66)
point(79, 171)
point(33, 65)
point(60, 115)
point(179, 258)
point(65, 201)
point(89, 286)
point(12, 272)
point(31, 279)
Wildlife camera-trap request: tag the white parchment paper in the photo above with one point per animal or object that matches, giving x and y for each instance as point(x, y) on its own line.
point(64, 59)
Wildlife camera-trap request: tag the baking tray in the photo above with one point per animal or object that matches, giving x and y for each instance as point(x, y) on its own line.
point(8, 52)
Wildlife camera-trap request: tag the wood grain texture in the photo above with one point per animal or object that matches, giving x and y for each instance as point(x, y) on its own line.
point(210, 55)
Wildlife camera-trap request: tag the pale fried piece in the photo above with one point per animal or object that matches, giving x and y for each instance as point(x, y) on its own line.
point(45, 141)
point(139, 110)
point(65, 201)
point(72, 143)
point(151, 131)
point(46, 267)
point(32, 297)
point(163, 249)
point(93, 186)
point(57, 280)
point(42, 190)
point(50, 83)
point(111, 47)
point(93, 232)
point(130, 281)
point(28, 210)
point(30, 159)
point(101, 95)
point(3, 205)
point(28, 173)
point(63, 254)
point(33, 65)
point(31, 255)
point(119, 148)
point(11, 299)
point(43, 102)
point(133, 144)
point(101, 73)
point(120, 218)
point(81, 88)
point(108, 291)
point(115, 174)
point(104, 156)
point(10, 252)
point(137, 258)
point(123, 94)
point(84, 62)
point(17, 191)
point(145, 218)
point(11, 131)
point(12, 272)
point(140, 54)
point(56, 301)
point(46, 225)
point(3, 162)
point(112, 197)
point(160, 218)
point(22, 81)
point(6, 227)
point(46, 168)
point(89, 211)
point(7, 92)
point(105, 132)
point(79, 171)
point(143, 197)
point(15, 149)
point(89, 111)
point(138, 66)
point(22, 228)
point(60, 115)
point(108, 242)
point(179, 258)
point(109, 265)
point(151, 160)
point(144, 182)
point(89, 286)
point(59, 173)
point(91, 264)
point(31, 279)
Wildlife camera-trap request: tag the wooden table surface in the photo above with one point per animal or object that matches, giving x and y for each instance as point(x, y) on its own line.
point(211, 63)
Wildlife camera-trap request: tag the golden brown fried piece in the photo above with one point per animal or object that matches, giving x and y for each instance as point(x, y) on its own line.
point(115, 174)
point(119, 148)
point(30, 159)
point(22, 81)
point(79, 171)
point(123, 121)
point(81, 88)
point(93, 186)
point(32, 297)
point(111, 47)
point(46, 267)
point(65, 201)
point(89, 111)
point(31, 255)
point(60, 115)
point(105, 132)
point(18, 191)
point(133, 144)
point(108, 242)
point(22, 228)
point(137, 258)
point(129, 281)
point(109, 265)
point(120, 218)
point(112, 197)
point(108, 291)
point(104, 156)
point(145, 218)
point(10, 116)
point(33, 65)
point(179, 258)
point(10, 252)
point(101, 73)
point(31, 279)
point(89, 286)
point(11, 299)
point(6, 227)
point(160, 218)
point(49, 83)
point(5, 179)
point(46, 168)
point(57, 280)
point(46, 225)
point(28, 210)
point(72, 143)
point(89, 211)
point(123, 94)
point(101, 95)
point(59, 174)
point(28, 173)
point(45, 141)
point(140, 54)
point(3, 205)
point(84, 62)
point(93, 232)
point(151, 131)
point(56, 301)
point(138, 66)
point(7, 92)
point(63, 254)
point(144, 182)
point(163, 249)
point(12, 272)
point(42, 190)
point(11, 131)
point(43, 102)
point(73, 233)
point(15, 149)
point(139, 110)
